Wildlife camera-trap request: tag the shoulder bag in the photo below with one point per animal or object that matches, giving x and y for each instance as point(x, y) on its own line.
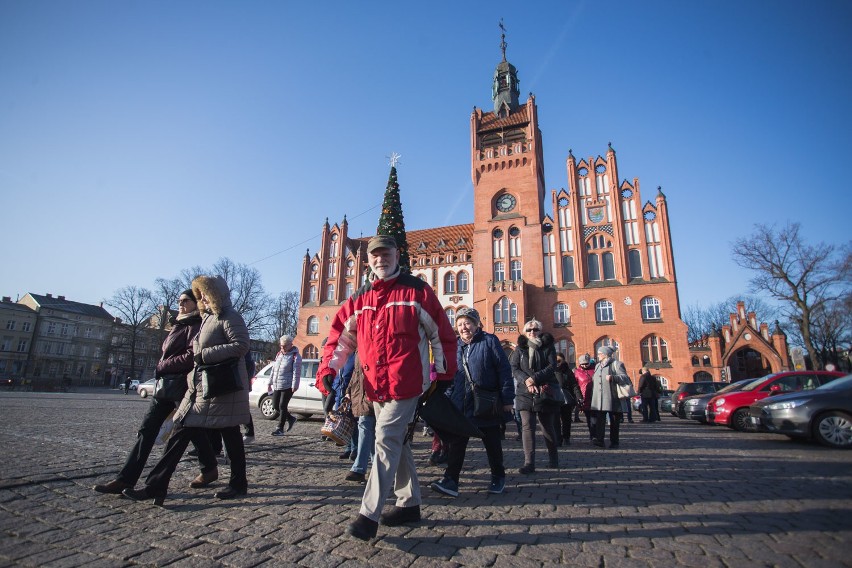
point(486, 403)
point(220, 378)
point(171, 387)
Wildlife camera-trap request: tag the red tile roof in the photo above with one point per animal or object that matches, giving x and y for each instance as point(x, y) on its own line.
point(492, 122)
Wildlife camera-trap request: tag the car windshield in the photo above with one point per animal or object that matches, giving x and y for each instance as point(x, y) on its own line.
point(739, 385)
point(760, 382)
point(837, 384)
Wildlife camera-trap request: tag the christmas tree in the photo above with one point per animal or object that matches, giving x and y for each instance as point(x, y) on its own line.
point(391, 222)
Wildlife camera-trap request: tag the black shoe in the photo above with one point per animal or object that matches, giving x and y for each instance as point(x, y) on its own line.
point(353, 456)
point(344, 455)
point(597, 443)
point(145, 494)
point(401, 515)
point(363, 528)
point(355, 476)
point(527, 469)
point(114, 487)
point(290, 422)
point(192, 453)
point(230, 493)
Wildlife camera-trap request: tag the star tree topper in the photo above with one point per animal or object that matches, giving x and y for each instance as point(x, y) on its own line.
point(394, 159)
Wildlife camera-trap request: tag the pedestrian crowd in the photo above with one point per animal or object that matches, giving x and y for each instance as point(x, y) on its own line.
point(391, 354)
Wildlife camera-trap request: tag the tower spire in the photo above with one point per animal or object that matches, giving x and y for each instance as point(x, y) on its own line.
point(504, 89)
point(503, 43)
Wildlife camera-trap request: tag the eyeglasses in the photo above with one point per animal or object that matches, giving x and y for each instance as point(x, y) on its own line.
point(533, 330)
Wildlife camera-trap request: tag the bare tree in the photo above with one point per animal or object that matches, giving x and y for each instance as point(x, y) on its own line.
point(831, 332)
point(247, 293)
point(701, 321)
point(134, 306)
point(802, 277)
point(284, 319)
point(165, 296)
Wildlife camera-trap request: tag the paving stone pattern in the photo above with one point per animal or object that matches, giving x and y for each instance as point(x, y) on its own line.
point(677, 493)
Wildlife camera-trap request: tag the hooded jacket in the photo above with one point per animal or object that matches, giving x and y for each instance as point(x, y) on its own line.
point(177, 347)
point(542, 369)
point(489, 369)
point(287, 370)
point(223, 335)
point(394, 323)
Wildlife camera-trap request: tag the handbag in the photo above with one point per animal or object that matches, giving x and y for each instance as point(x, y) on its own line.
point(170, 387)
point(220, 378)
point(548, 398)
point(340, 423)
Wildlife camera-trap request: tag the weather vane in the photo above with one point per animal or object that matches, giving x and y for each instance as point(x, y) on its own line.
point(394, 159)
point(503, 39)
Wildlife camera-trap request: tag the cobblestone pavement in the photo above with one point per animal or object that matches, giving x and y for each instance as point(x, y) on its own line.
point(676, 493)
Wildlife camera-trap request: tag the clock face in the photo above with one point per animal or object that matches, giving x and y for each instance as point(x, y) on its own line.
point(506, 203)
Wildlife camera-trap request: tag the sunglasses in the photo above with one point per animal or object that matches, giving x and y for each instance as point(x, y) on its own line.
point(533, 330)
point(183, 301)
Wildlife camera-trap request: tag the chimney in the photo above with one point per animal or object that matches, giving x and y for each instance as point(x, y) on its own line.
point(61, 298)
point(7, 299)
point(49, 295)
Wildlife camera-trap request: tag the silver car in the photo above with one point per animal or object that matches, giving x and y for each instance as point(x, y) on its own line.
point(306, 401)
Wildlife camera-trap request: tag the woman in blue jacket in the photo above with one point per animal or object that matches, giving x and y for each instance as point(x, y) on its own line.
point(483, 363)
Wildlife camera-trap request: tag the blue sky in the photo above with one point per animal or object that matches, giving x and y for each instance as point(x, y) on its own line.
point(141, 138)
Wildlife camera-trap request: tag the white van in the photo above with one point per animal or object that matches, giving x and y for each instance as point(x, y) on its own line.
point(306, 401)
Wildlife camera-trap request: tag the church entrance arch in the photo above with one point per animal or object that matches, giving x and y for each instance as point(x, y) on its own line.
point(746, 363)
point(702, 377)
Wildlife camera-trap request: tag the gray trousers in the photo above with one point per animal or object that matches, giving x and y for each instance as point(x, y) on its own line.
point(393, 462)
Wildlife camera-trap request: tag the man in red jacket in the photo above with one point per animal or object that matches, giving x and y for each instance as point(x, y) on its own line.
point(394, 322)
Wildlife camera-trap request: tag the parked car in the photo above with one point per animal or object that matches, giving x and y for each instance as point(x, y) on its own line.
point(306, 401)
point(689, 389)
point(823, 414)
point(731, 409)
point(695, 406)
point(146, 388)
point(664, 401)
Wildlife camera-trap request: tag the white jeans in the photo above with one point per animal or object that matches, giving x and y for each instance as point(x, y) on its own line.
point(393, 462)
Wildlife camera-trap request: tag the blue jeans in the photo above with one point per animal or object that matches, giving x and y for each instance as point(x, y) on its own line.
point(366, 443)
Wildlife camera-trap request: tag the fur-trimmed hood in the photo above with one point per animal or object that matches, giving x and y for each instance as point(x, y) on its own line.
point(546, 341)
point(216, 290)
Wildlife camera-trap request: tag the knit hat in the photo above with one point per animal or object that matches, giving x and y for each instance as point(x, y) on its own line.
point(470, 314)
point(583, 359)
point(606, 350)
point(381, 241)
point(188, 292)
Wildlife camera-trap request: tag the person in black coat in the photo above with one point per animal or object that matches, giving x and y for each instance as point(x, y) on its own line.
point(484, 367)
point(571, 391)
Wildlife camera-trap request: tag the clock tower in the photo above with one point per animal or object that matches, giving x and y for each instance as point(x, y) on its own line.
point(508, 186)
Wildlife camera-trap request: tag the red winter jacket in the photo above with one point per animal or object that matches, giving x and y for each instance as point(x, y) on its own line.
point(393, 323)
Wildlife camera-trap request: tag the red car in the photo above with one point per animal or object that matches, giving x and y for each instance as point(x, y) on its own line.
point(731, 409)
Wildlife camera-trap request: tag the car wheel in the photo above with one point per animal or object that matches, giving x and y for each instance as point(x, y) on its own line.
point(143, 393)
point(739, 420)
point(834, 429)
point(266, 408)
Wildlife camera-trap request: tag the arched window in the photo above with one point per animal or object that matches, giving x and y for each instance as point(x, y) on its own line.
point(350, 267)
point(499, 272)
point(608, 266)
point(313, 293)
point(498, 246)
point(451, 315)
point(603, 311)
point(514, 241)
point(461, 282)
point(449, 283)
point(313, 325)
point(332, 269)
point(350, 289)
point(310, 352)
point(561, 315)
point(607, 342)
point(568, 269)
point(634, 260)
point(568, 350)
point(695, 361)
point(332, 250)
point(505, 311)
point(594, 268)
point(654, 349)
point(515, 267)
point(329, 295)
point(314, 271)
point(650, 309)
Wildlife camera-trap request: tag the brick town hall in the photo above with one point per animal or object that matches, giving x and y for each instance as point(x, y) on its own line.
point(594, 262)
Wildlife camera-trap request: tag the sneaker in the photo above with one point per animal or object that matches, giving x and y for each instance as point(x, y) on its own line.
point(356, 477)
point(290, 422)
point(278, 432)
point(248, 440)
point(446, 486)
point(527, 469)
point(497, 485)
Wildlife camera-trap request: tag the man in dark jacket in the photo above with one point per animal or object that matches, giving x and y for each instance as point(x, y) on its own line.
point(394, 322)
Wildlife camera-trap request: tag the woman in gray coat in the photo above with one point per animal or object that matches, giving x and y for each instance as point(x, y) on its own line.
point(609, 372)
point(223, 336)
